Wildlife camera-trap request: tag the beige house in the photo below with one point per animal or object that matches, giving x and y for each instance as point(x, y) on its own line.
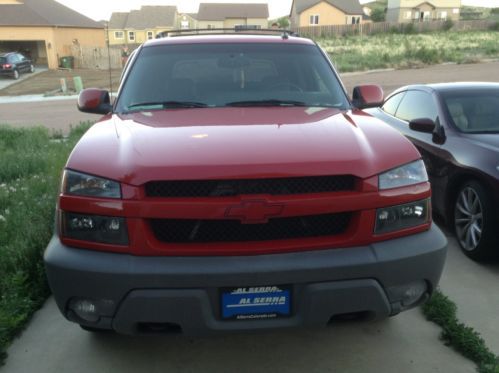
point(420, 10)
point(214, 15)
point(138, 26)
point(46, 30)
point(326, 12)
point(187, 21)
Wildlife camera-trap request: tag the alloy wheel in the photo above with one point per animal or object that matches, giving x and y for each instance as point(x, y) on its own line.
point(468, 219)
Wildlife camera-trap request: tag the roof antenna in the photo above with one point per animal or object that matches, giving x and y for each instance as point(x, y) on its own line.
point(109, 61)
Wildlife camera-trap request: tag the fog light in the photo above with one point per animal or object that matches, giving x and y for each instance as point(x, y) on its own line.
point(95, 228)
point(90, 310)
point(85, 309)
point(394, 218)
point(408, 295)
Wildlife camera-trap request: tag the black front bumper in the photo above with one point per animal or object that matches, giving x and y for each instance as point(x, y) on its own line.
point(185, 291)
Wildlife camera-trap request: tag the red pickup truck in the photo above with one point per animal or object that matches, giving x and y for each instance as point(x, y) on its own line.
point(232, 186)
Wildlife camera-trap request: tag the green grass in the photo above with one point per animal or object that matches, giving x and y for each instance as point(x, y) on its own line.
point(395, 50)
point(30, 170)
point(464, 339)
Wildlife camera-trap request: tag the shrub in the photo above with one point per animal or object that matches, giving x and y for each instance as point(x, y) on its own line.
point(409, 29)
point(448, 24)
point(495, 26)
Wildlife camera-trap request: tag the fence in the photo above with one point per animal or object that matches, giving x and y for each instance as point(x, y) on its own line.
point(381, 27)
point(96, 58)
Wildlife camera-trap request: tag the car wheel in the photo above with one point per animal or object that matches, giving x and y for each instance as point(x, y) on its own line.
point(15, 74)
point(474, 221)
point(31, 69)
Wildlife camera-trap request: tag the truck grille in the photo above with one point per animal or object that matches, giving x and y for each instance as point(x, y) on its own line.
point(204, 231)
point(227, 188)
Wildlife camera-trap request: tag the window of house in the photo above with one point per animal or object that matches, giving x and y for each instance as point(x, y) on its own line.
point(314, 19)
point(408, 15)
point(355, 20)
point(443, 15)
point(119, 35)
point(131, 35)
point(150, 35)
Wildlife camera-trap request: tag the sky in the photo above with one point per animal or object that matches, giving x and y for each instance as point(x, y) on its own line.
point(102, 9)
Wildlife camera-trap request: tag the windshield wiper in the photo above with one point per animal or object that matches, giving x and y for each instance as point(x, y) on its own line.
point(270, 102)
point(169, 104)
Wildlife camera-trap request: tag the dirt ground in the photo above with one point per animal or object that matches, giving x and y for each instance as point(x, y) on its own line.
point(49, 81)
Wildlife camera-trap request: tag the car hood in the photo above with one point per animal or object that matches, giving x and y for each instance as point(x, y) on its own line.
point(222, 143)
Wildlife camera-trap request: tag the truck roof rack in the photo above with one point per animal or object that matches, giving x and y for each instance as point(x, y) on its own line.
point(221, 31)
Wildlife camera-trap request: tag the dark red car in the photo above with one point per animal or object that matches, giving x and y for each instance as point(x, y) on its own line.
point(232, 186)
point(455, 126)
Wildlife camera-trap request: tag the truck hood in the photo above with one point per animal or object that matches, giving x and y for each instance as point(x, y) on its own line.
point(222, 143)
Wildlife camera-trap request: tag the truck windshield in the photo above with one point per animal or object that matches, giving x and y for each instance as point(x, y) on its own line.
point(230, 74)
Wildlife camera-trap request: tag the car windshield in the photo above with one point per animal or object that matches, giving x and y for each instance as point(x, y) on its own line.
point(230, 74)
point(3, 60)
point(474, 111)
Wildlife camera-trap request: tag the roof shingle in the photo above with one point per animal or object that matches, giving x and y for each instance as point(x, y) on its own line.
point(147, 17)
point(43, 13)
point(220, 12)
point(346, 6)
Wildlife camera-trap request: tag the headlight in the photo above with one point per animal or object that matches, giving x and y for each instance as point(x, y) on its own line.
point(78, 184)
point(409, 174)
point(396, 218)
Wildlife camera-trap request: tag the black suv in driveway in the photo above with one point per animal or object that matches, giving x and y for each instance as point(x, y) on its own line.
point(13, 64)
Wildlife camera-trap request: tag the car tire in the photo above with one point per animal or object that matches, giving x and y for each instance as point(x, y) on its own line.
point(474, 221)
point(15, 75)
point(31, 68)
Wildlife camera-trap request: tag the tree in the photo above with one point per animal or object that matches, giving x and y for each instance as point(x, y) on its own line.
point(282, 22)
point(378, 15)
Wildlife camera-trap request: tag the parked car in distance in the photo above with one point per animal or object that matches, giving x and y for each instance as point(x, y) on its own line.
point(12, 64)
point(232, 187)
point(455, 126)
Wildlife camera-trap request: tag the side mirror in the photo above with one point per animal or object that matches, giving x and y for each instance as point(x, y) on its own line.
point(422, 125)
point(366, 96)
point(94, 101)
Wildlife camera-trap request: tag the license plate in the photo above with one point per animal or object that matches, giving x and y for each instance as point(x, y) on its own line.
point(253, 303)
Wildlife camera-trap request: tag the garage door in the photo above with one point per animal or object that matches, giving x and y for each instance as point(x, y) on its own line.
point(34, 49)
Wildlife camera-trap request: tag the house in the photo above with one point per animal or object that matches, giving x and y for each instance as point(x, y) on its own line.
point(46, 30)
point(420, 10)
point(138, 26)
point(187, 21)
point(215, 15)
point(325, 12)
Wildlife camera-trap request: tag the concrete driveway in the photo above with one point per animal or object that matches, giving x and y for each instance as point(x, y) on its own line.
point(405, 343)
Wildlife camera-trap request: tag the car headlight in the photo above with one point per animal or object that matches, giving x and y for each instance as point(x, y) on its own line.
point(409, 174)
point(79, 184)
